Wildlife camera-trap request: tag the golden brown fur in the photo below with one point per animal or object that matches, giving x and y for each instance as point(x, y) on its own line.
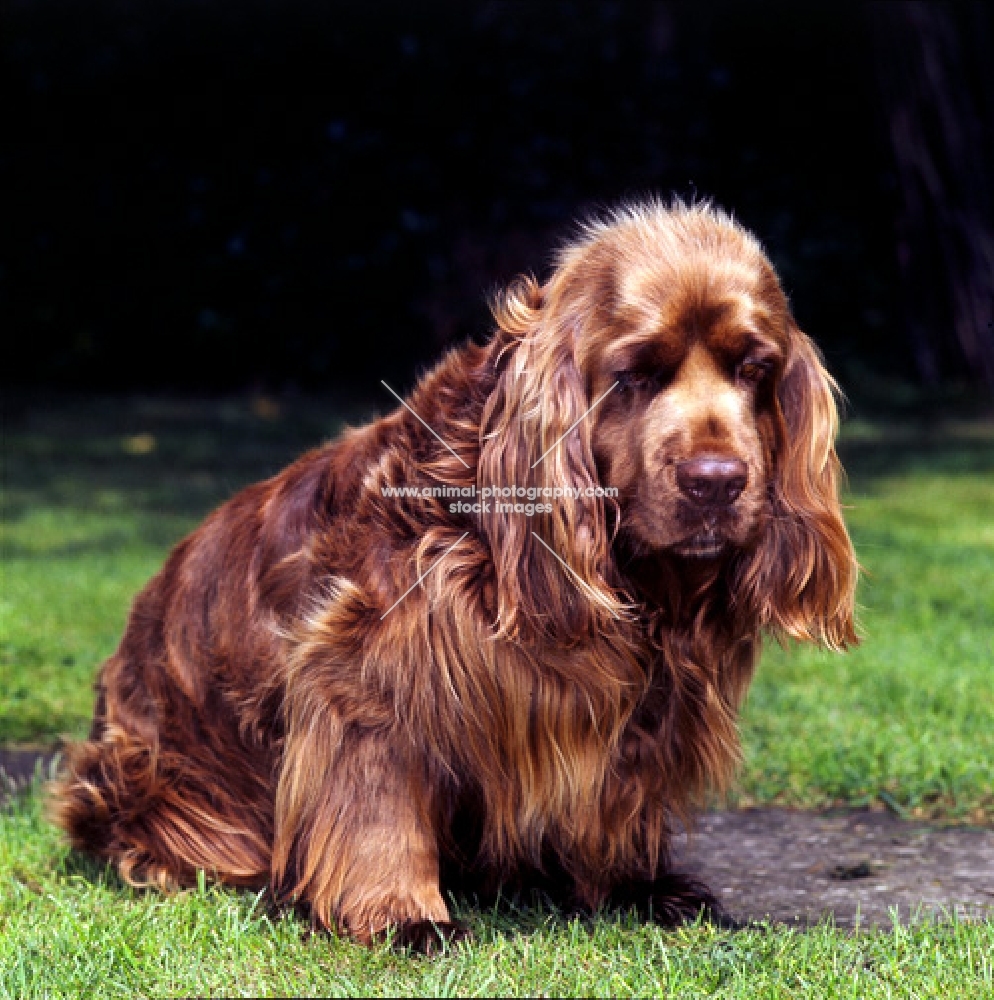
point(270, 719)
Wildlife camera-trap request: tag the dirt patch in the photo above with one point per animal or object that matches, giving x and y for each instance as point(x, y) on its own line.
point(17, 767)
point(858, 866)
point(797, 867)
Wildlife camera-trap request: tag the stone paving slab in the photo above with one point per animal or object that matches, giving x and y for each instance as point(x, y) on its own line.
point(798, 867)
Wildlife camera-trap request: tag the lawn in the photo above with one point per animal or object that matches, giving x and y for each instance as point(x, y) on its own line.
point(95, 492)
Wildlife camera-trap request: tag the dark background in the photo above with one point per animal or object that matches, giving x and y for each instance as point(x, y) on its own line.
point(209, 196)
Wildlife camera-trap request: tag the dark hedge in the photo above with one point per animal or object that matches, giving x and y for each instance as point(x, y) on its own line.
point(207, 195)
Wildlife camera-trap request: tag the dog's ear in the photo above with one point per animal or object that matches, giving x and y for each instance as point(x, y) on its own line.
point(803, 579)
point(554, 566)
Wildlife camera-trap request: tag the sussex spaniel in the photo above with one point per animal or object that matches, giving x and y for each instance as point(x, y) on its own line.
point(360, 700)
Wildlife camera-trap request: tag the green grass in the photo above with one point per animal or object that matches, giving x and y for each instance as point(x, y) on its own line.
point(95, 492)
point(908, 717)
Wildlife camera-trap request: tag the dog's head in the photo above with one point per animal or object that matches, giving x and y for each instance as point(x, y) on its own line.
point(661, 360)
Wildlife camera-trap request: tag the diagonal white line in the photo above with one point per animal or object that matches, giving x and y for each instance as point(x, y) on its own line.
point(406, 407)
point(578, 419)
point(586, 586)
point(424, 574)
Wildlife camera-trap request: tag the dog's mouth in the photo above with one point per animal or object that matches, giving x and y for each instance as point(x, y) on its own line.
point(708, 543)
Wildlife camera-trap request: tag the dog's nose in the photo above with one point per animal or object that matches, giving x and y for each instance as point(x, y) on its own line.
point(712, 480)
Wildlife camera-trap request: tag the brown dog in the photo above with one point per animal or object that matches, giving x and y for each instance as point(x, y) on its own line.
point(348, 696)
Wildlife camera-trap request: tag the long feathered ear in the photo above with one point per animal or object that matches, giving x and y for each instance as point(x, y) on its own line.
point(554, 568)
point(804, 577)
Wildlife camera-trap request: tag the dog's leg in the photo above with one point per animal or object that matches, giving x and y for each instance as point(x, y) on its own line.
point(355, 839)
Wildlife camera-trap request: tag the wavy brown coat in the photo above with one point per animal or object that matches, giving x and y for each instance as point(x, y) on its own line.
point(557, 690)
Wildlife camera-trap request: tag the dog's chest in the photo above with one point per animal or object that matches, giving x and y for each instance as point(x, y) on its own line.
point(557, 733)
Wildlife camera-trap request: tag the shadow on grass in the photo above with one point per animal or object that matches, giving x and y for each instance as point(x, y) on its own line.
point(869, 451)
point(77, 865)
point(169, 457)
point(182, 456)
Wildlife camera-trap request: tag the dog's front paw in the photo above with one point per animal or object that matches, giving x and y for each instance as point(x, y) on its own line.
point(673, 899)
point(430, 937)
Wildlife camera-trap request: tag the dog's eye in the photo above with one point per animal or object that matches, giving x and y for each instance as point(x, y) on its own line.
point(753, 371)
point(625, 382)
point(632, 382)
